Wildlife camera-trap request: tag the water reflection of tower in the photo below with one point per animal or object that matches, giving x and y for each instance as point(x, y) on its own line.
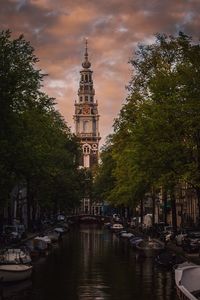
point(92, 281)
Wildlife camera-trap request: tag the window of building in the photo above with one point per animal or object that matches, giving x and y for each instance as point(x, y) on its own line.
point(81, 99)
point(86, 78)
point(86, 98)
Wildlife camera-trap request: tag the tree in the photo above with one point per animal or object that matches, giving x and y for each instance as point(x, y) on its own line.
point(37, 147)
point(156, 138)
point(104, 179)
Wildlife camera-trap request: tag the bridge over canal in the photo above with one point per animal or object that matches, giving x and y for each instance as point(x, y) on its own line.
point(86, 218)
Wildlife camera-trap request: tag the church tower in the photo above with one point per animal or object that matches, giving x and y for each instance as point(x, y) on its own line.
point(86, 116)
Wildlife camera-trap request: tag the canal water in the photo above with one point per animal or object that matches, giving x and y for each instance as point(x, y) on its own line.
point(91, 263)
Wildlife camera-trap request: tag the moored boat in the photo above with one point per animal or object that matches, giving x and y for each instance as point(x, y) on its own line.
point(187, 278)
point(135, 240)
point(116, 227)
point(15, 256)
point(127, 235)
point(15, 272)
point(150, 248)
point(42, 244)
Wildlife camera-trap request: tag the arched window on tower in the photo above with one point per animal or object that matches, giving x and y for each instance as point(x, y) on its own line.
point(86, 78)
point(86, 149)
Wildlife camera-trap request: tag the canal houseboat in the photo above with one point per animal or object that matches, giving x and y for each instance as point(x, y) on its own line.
point(187, 278)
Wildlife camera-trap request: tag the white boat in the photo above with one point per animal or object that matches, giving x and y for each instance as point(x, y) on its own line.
point(42, 242)
point(127, 235)
point(187, 278)
point(15, 272)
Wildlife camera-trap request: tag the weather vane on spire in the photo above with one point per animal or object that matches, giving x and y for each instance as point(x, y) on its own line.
point(86, 45)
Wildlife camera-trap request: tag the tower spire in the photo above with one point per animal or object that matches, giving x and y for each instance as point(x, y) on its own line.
point(86, 64)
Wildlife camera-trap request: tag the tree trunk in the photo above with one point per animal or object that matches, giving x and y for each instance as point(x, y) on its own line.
point(55, 206)
point(153, 207)
point(141, 211)
point(28, 205)
point(173, 207)
point(198, 168)
point(165, 205)
point(198, 202)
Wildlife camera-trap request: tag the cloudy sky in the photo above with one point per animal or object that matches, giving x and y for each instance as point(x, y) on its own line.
point(57, 28)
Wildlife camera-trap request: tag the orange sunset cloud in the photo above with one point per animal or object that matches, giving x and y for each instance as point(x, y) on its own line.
point(56, 29)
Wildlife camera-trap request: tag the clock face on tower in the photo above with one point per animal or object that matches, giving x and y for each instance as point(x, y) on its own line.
point(86, 110)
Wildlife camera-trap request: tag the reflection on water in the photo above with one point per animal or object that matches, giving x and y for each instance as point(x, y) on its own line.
point(91, 263)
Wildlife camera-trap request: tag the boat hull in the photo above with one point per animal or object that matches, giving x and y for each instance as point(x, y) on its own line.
point(181, 295)
point(187, 276)
point(13, 273)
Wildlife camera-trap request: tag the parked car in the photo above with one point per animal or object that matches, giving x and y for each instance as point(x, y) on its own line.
point(191, 243)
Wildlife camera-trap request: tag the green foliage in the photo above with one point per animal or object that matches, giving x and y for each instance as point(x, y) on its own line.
point(156, 137)
point(104, 179)
point(36, 145)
